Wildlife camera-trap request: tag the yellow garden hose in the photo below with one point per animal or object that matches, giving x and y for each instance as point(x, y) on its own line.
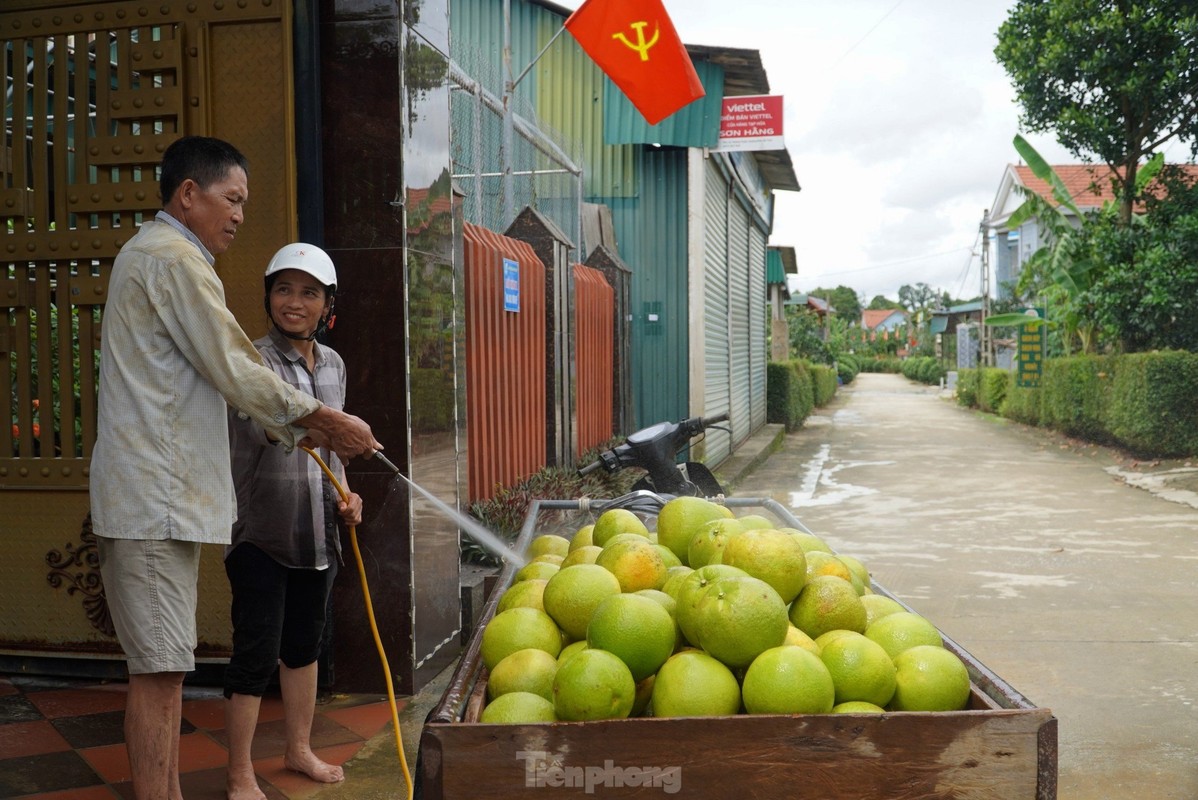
point(374, 629)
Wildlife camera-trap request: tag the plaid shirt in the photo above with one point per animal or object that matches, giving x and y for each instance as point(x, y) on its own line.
point(285, 504)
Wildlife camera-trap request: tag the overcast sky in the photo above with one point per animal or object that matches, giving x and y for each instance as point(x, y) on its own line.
point(899, 122)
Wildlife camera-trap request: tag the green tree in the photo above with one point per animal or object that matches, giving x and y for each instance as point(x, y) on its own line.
point(1147, 295)
point(881, 302)
point(1112, 79)
point(843, 299)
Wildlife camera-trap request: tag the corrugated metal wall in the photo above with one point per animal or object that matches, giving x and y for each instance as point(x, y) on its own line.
point(717, 398)
point(594, 320)
point(652, 231)
point(758, 324)
point(505, 363)
point(739, 368)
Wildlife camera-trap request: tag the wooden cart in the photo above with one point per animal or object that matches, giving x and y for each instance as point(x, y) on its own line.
point(1001, 746)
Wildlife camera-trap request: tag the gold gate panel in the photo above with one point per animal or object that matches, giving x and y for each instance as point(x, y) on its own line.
point(98, 92)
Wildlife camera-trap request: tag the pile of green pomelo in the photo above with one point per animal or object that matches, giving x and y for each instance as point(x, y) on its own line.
point(708, 615)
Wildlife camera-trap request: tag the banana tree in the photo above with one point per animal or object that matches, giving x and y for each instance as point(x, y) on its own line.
point(1063, 270)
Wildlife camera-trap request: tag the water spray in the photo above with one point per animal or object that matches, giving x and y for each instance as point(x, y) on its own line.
point(486, 538)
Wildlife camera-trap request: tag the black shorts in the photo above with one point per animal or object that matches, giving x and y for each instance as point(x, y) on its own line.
point(278, 616)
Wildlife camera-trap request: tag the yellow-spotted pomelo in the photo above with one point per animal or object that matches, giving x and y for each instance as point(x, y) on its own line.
point(769, 555)
point(517, 629)
point(582, 555)
point(637, 629)
point(548, 544)
point(690, 591)
point(820, 563)
point(681, 518)
point(528, 670)
point(518, 708)
point(635, 562)
point(707, 545)
point(809, 541)
point(528, 593)
point(796, 637)
point(857, 707)
point(693, 684)
point(593, 684)
point(582, 537)
point(903, 630)
point(615, 521)
point(738, 618)
point(573, 594)
point(826, 604)
point(535, 570)
point(570, 649)
point(751, 521)
point(860, 669)
point(878, 606)
point(674, 578)
point(929, 678)
point(788, 680)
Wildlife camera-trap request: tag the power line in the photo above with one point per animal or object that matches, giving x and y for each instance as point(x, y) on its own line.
point(867, 33)
point(910, 260)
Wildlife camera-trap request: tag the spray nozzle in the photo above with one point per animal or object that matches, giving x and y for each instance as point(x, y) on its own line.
point(386, 462)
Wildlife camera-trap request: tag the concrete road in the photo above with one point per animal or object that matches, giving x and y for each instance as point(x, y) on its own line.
point(1036, 554)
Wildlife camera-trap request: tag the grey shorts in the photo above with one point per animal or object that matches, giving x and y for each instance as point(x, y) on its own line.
point(150, 586)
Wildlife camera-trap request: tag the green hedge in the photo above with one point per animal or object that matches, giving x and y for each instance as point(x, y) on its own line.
point(789, 393)
point(1152, 409)
point(1076, 395)
point(993, 389)
point(1143, 402)
point(924, 369)
point(893, 365)
point(968, 381)
point(823, 379)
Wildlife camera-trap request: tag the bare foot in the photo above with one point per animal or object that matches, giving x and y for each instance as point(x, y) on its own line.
point(243, 785)
point(308, 764)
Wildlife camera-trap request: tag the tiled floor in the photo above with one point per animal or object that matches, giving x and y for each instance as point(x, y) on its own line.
point(64, 740)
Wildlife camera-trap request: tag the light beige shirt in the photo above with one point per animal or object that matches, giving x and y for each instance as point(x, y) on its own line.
point(171, 355)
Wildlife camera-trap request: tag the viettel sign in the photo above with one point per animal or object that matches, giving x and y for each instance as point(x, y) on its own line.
point(751, 122)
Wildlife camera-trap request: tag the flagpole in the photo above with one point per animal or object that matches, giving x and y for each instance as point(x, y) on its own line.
point(533, 63)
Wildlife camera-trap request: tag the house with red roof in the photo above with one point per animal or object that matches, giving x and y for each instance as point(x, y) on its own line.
point(1090, 185)
point(877, 320)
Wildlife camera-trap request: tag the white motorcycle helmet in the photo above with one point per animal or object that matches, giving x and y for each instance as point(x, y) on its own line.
point(310, 259)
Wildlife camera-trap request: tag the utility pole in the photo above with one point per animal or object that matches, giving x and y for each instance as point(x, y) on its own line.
point(985, 356)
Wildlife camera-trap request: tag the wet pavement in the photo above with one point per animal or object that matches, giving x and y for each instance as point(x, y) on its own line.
point(1067, 568)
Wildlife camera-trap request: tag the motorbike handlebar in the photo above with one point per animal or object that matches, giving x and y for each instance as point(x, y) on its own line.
point(709, 421)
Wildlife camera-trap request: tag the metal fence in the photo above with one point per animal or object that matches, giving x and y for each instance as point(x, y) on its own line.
point(501, 168)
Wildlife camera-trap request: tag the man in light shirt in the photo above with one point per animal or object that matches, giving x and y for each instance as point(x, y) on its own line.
point(172, 356)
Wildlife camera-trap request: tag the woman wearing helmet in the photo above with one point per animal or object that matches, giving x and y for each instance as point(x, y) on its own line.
point(285, 547)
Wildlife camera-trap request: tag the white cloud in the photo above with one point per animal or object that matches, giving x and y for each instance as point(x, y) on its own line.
point(899, 122)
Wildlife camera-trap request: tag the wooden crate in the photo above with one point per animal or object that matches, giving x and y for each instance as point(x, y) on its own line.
point(1001, 746)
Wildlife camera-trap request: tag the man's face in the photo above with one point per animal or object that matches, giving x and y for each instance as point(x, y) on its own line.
point(213, 214)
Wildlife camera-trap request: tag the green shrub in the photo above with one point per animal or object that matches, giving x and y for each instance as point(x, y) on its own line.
point(968, 383)
point(1022, 404)
point(993, 388)
point(823, 380)
point(1152, 410)
point(788, 393)
point(1076, 394)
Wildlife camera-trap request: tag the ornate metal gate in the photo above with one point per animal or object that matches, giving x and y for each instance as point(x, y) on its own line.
point(94, 93)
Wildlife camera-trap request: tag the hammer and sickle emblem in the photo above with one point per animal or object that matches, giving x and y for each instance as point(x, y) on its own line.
point(641, 46)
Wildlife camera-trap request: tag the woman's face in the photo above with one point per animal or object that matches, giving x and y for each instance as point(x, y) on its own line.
point(297, 302)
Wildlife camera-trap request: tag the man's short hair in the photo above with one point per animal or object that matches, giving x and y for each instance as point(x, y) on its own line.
point(204, 159)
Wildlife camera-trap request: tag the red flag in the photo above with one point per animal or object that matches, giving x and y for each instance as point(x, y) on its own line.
point(635, 43)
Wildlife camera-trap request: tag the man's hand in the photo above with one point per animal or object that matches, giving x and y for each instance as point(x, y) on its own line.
point(344, 434)
point(351, 510)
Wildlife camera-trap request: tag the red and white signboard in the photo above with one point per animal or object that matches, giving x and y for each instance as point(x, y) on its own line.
point(751, 122)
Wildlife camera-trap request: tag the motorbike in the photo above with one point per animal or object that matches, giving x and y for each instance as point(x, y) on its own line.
point(655, 449)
